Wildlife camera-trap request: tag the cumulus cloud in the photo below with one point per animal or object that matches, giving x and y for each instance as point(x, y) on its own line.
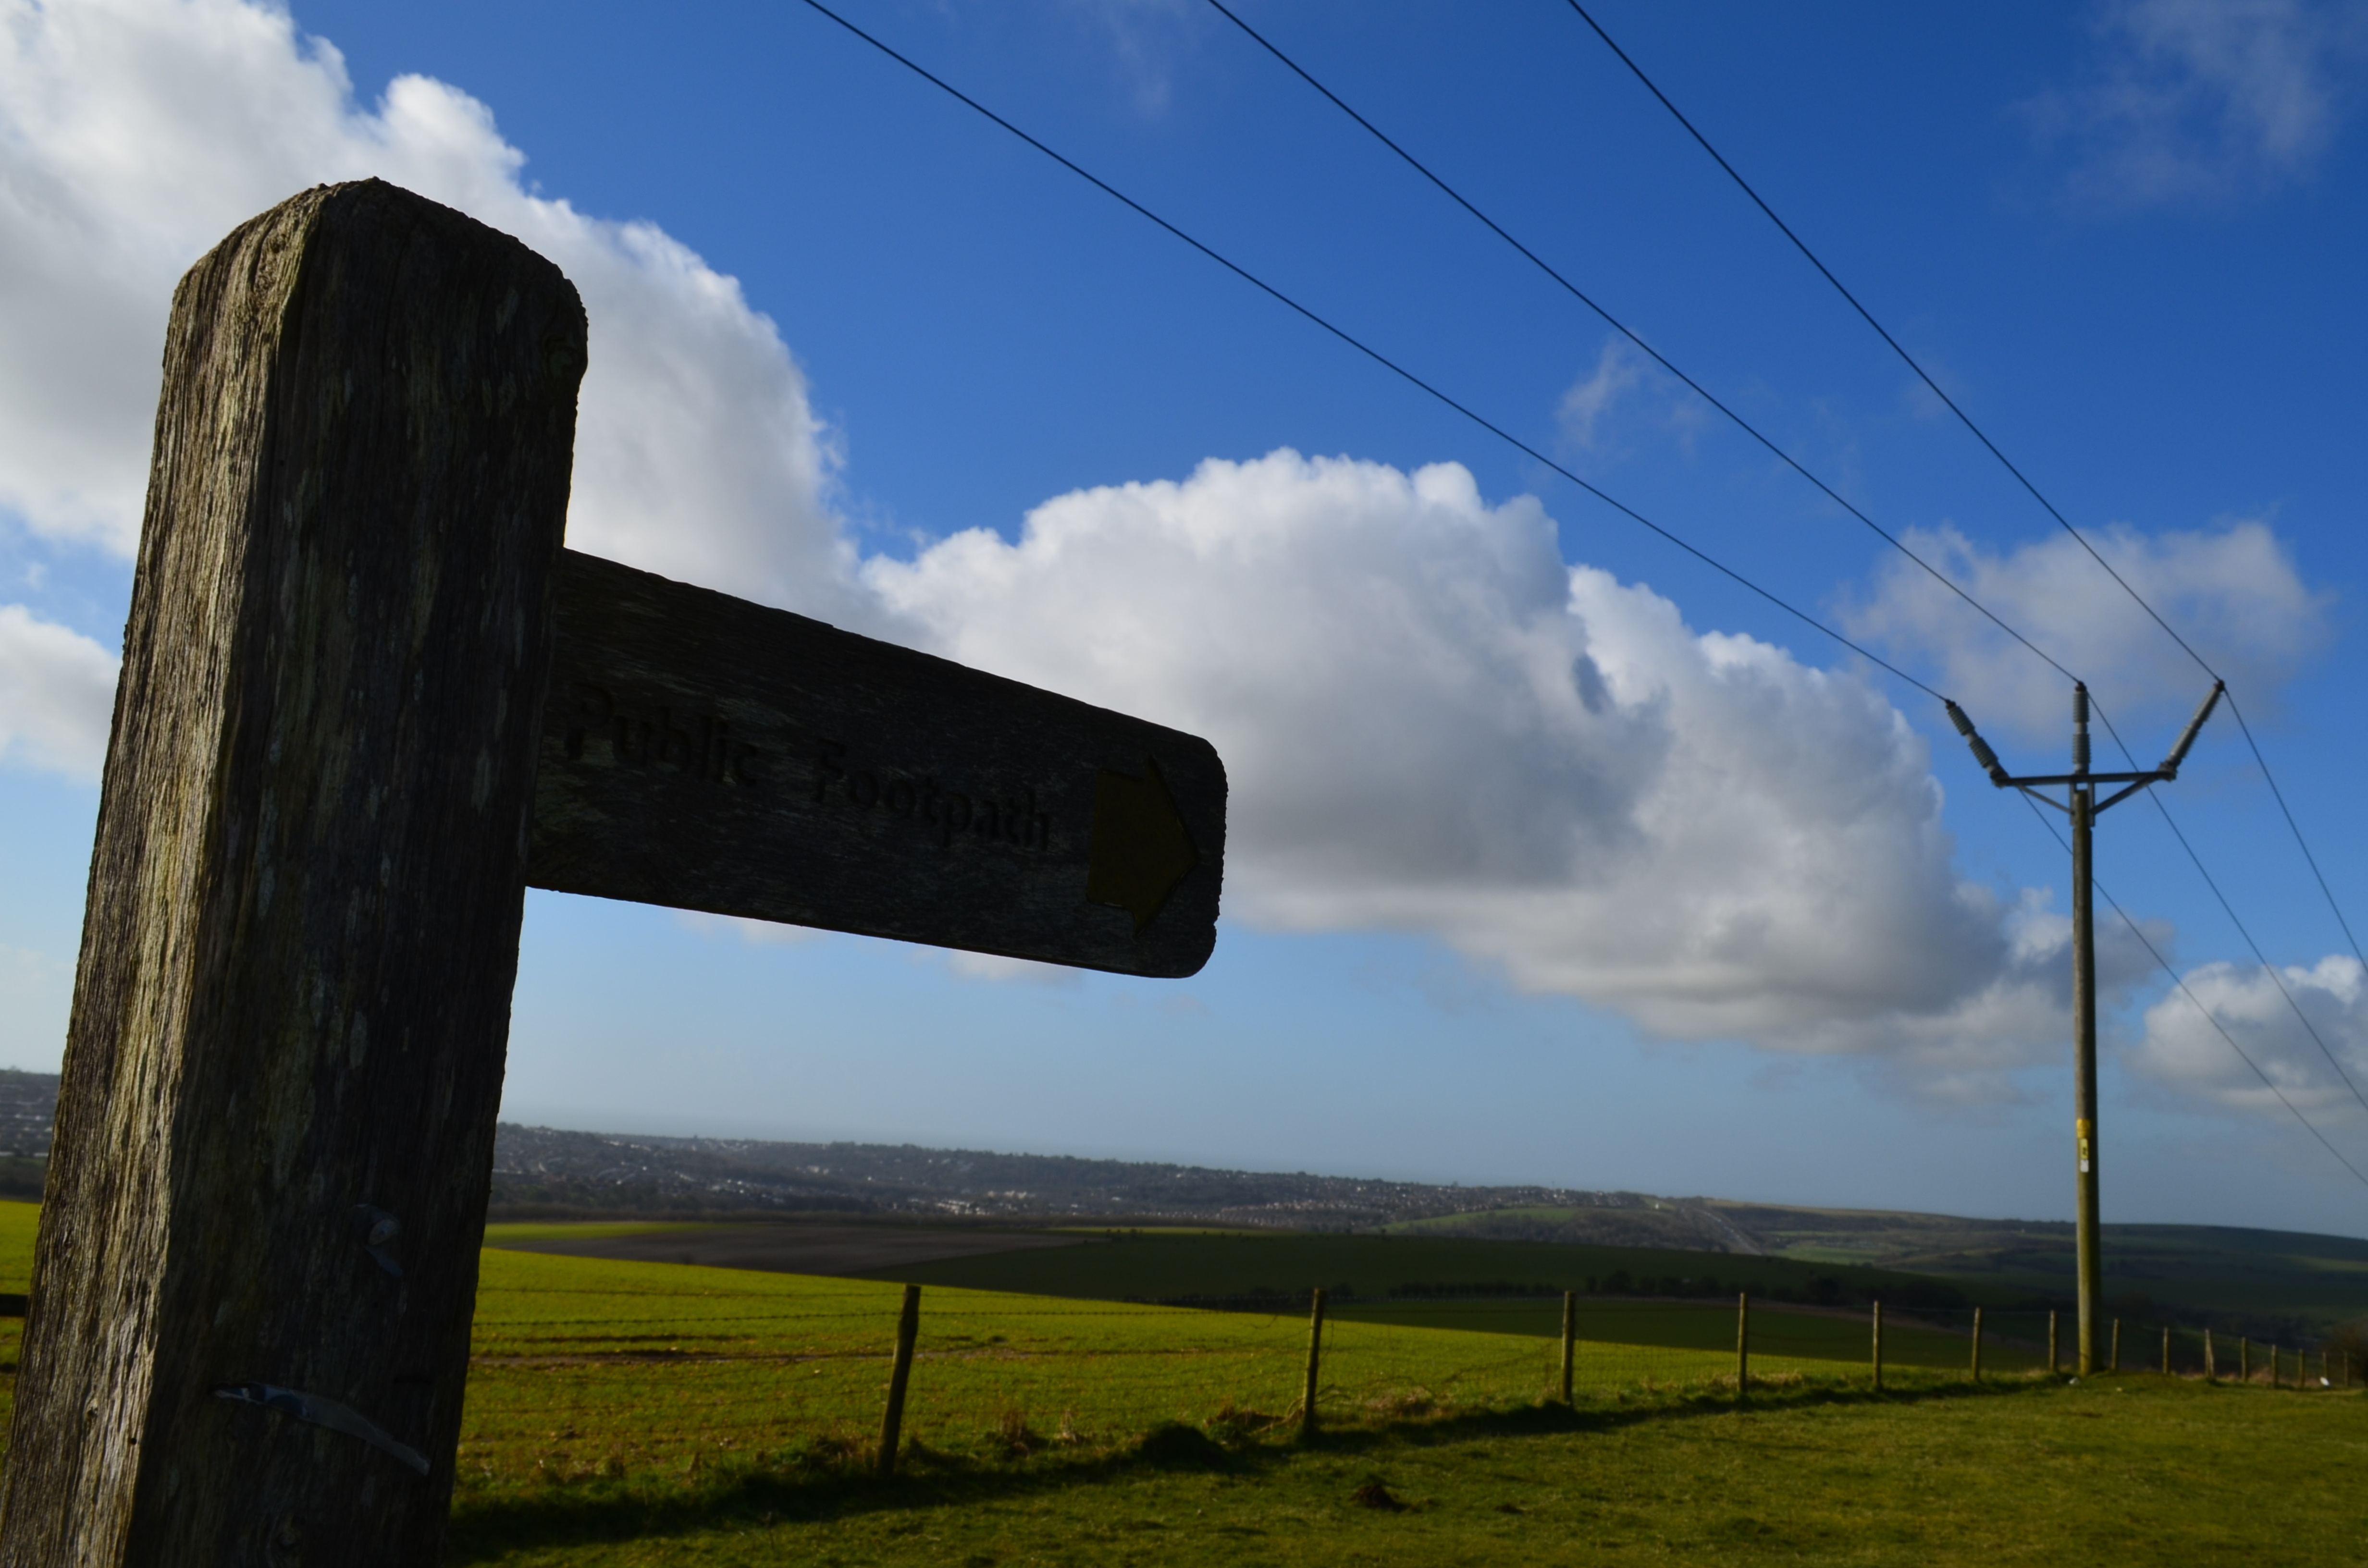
point(135, 133)
point(2181, 1049)
point(2203, 100)
point(1432, 724)
point(57, 695)
point(2233, 594)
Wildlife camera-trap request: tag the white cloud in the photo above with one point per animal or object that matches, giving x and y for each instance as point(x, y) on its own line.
point(1626, 393)
point(2201, 100)
point(996, 969)
point(57, 696)
point(751, 933)
point(1431, 724)
point(2181, 1049)
point(135, 133)
point(2233, 594)
point(35, 995)
point(1618, 371)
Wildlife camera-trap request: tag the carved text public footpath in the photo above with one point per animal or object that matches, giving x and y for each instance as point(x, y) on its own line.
point(704, 747)
point(707, 753)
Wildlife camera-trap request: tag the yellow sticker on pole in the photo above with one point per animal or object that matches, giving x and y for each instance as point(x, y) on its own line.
point(2086, 1131)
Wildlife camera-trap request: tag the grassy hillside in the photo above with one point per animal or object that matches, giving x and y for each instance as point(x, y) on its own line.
point(643, 1415)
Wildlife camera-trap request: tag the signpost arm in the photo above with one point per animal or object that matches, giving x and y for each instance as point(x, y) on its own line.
point(257, 1256)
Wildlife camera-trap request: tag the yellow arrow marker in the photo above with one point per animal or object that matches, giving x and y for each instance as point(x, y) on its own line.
point(1140, 849)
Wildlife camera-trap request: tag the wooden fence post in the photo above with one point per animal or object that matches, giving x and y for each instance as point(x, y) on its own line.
point(900, 1372)
point(1742, 1342)
point(1878, 1347)
point(2054, 1362)
point(257, 1256)
point(2165, 1350)
point(2273, 1363)
point(1315, 1359)
point(1569, 1339)
point(2211, 1370)
point(1977, 1345)
point(2116, 1364)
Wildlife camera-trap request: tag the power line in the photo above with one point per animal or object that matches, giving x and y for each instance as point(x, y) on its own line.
point(1707, 396)
point(1375, 355)
point(2271, 969)
point(2164, 964)
point(1616, 325)
point(1992, 447)
point(1523, 446)
point(2228, 909)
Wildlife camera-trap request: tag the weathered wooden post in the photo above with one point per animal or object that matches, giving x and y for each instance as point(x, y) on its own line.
point(249, 1325)
point(1569, 1340)
point(900, 1373)
point(1977, 1345)
point(1315, 1359)
point(2165, 1350)
point(333, 773)
point(2210, 1370)
point(1878, 1347)
point(2055, 1361)
point(2116, 1364)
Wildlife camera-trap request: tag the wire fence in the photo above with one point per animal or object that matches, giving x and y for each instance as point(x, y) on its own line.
point(572, 1380)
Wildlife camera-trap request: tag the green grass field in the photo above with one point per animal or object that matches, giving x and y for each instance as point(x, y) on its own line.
point(635, 1414)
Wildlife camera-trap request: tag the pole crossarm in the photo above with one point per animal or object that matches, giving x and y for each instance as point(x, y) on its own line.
point(2140, 779)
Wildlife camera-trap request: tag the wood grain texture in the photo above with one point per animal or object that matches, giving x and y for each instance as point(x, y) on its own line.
point(302, 932)
point(707, 753)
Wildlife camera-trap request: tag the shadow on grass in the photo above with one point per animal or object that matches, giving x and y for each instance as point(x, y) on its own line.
point(826, 1482)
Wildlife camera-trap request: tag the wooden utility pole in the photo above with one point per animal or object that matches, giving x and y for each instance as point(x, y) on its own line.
point(257, 1256)
point(2084, 808)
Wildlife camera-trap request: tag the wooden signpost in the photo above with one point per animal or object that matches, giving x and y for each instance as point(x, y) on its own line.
point(366, 699)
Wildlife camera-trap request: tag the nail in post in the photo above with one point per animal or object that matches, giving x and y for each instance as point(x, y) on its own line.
point(1569, 1339)
point(892, 1421)
point(1315, 1357)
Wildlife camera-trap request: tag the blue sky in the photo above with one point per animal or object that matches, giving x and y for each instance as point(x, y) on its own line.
point(1558, 856)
